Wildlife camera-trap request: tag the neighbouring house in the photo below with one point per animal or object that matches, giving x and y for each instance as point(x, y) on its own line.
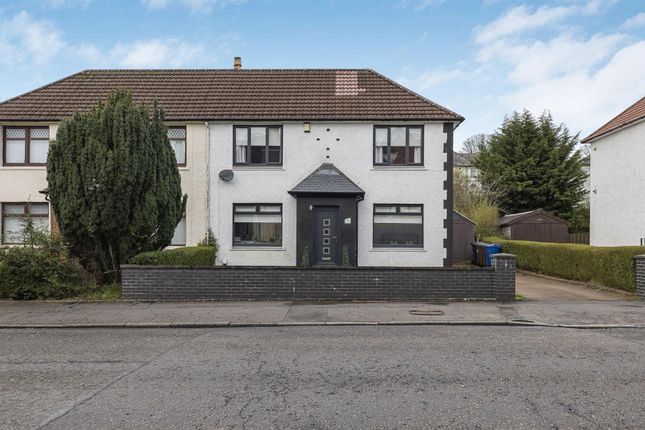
point(463, 162)
point(617, 201)
point(537, 226)
point(284, 166)
point(463, 235)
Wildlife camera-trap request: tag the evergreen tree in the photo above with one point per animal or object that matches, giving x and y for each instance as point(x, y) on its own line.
point(114, 184)
point(531, 163)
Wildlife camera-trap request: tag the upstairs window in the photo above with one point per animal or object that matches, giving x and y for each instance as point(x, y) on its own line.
point(257, 224)
point(398, 226)
point(15, 215)
point(398, 145)
point(25, 146)
point(177, 137)
point(257, 145)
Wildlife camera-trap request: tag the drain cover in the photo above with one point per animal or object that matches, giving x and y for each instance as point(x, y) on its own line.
point(427, 313)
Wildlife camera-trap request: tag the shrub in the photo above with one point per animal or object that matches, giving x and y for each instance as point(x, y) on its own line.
point(40, 270)
point(609, 266)
point(191, 256)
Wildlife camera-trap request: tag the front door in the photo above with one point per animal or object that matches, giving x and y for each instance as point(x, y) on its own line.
point(326, 236)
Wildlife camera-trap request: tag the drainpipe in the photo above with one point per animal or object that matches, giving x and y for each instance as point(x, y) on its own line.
point(208, 177)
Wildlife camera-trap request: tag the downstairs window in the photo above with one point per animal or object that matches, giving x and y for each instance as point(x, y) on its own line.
point(257, 224)
point(398, 226)
point(15, 217)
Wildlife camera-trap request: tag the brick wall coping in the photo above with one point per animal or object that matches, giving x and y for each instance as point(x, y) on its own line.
point(359, 268)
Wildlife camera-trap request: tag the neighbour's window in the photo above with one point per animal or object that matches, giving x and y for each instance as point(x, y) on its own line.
point(257, 145)
point(398, 145)
point(177, 137)
point(257, 224)
point(398, 226)
point(179, 238)
point(16, 215)
point(25, 146)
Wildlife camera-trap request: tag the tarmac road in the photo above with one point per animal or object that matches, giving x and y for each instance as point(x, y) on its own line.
point(322, 377)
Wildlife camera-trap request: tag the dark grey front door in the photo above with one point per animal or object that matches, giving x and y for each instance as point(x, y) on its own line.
point(326, 235)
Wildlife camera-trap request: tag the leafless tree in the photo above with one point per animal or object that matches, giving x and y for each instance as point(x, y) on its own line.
point(474, 143)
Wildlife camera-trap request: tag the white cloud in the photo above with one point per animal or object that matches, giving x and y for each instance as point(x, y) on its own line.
point(637, 20)
point(521, 19)
point(538, 60)
point(157, 53)
point(431, 78)
point(583, 99)
point(23, 39)
point(57, 4)
point(195, 6)
point(155, 4)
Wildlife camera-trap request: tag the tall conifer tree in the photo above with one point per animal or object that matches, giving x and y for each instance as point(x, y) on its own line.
point(531, 163)
point(114, 184)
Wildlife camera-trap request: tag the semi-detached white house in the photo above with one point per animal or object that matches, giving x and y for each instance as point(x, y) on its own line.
point(284, 166)
point(617, 200)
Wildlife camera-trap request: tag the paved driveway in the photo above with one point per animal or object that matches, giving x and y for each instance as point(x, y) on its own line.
point(534, 287)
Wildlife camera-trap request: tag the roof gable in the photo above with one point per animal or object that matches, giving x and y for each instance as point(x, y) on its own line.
point(632, 114)
point(327, 179)
point(225, 94)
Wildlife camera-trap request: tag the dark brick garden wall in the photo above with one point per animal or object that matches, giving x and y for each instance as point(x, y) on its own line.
point(294, 283)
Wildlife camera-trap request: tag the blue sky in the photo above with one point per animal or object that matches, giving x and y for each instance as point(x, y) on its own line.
point(584, 60)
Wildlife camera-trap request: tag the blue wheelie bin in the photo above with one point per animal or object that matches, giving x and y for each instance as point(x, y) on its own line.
point(490, 249)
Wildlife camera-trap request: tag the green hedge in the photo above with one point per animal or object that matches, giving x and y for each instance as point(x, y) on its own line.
point(609, 266)
point(191, 256)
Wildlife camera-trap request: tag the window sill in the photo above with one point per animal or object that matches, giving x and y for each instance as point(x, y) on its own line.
point(399, 168)
point(398, 249)
point(257, 248)
point(42, 167)
point(251, 168)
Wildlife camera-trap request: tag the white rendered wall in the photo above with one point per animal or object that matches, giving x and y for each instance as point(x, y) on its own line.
point(350, 150)
point(194, 181)
point(618, 188)
point(22, 183)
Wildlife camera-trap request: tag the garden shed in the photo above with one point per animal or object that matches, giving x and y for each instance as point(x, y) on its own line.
point(537, 226)
point(463, 234)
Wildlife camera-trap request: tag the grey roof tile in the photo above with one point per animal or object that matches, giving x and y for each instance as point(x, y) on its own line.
point(327, 179)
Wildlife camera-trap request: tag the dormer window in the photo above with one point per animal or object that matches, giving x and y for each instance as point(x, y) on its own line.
point(398, 145)
point(257, 145)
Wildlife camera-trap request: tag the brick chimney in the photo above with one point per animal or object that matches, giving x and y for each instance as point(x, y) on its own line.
point(237, 63)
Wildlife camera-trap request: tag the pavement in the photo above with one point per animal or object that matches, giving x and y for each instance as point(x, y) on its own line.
point(227, 314)
point(407, 377)
point(548, 301)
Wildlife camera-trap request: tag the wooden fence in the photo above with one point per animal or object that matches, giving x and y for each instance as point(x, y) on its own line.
point(580, 238)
